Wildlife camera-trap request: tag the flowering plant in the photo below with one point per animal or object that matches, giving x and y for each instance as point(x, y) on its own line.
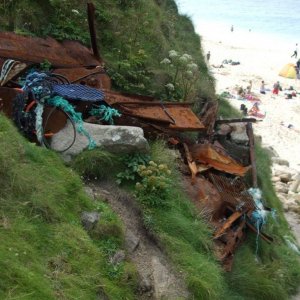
point(184, 73)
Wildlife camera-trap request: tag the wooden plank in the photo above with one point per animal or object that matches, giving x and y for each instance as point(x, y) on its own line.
point(242, 120)
point(228, 223)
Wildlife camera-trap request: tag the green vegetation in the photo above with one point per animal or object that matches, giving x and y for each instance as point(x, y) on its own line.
point(274, 274)
point(45, 253)
point(93, 164)
point(134, 37)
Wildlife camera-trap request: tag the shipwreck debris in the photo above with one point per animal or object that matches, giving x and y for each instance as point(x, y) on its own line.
point(216, 163)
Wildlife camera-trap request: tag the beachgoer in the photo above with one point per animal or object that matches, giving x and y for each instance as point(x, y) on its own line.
point(262, 89)
point(231, 29)
point(298, 63)
point(208, 56)
point(295, 51)
point(249, 87)
point(276, 87)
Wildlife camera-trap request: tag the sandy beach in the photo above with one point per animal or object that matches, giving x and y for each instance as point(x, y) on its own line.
point(260, 58)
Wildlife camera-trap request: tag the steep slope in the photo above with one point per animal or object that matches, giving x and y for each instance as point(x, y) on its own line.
point(45, 253)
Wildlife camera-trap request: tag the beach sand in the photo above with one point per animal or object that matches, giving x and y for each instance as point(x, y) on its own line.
point(260, 59)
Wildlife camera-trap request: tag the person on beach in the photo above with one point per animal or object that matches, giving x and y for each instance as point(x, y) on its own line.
point(276, 87)
point(298, 63)
point(295, 54)
point(249, 87)
point(262, 89)
point(208, 56)
point(231, 29)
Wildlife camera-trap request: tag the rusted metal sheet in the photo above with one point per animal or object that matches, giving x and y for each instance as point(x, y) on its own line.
point(192, 165)
point(209, 116)
point(215, 157)
point(227, 224)
point(233, 191)
point(93, 77)
point(176, 116)
point(239, 120)
point(36, 50)
point(7, 96)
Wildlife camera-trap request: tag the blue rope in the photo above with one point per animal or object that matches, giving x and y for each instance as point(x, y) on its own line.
point(60, 102)
point(106, 113)
point(259, 216)
point(38, 85)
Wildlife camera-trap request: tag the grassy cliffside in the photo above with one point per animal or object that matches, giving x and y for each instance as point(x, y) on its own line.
point(134, 37)
point(44, 252)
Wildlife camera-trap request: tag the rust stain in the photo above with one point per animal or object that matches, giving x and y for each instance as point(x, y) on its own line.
point(210, 155)
point(36, 50)
point(176, 116)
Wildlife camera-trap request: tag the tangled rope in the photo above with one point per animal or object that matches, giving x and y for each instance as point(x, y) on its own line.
point(76, 117)
point(106, 113)
point(259, 216)
point(40, 86)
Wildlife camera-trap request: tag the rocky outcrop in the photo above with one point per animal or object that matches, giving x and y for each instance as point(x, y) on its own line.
point(286, 182)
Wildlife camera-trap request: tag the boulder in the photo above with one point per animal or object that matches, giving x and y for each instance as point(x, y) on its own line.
point(131, 241)
point(275, 179)
point(271, 151)
point(89, 191)
point(89, 219)
point(117, 139)
point(295, 184)
point(281, 189)
point(161, 279)
point(280, 161)
point(285, 177)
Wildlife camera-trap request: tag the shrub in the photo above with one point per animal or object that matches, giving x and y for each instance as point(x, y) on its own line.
point(132, 163)
point(154, 186)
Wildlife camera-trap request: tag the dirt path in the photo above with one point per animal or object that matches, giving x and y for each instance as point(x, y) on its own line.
point(158, 279)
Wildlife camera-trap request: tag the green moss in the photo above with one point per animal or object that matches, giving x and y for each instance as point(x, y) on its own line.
point(44, 251)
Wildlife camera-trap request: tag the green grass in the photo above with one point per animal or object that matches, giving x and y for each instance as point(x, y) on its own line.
point(134, 36)
point(44, 252)
point(275, 273)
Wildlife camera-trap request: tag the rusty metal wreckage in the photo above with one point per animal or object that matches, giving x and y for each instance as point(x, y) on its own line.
point(217, 183)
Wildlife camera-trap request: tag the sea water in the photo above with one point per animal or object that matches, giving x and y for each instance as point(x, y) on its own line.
point(269, 19)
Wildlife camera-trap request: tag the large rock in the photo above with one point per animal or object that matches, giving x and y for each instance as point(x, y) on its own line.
point(295, 185)
point(280, 161)
point(166, 285)
point(89, 219)
point(117, 139)
point(131, 241)
point(285, 177)
point(280, 188)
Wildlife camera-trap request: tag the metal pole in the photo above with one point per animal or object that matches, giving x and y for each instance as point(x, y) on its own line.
point(93, 36)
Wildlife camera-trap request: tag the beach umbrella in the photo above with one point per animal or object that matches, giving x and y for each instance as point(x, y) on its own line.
point(288, 71)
